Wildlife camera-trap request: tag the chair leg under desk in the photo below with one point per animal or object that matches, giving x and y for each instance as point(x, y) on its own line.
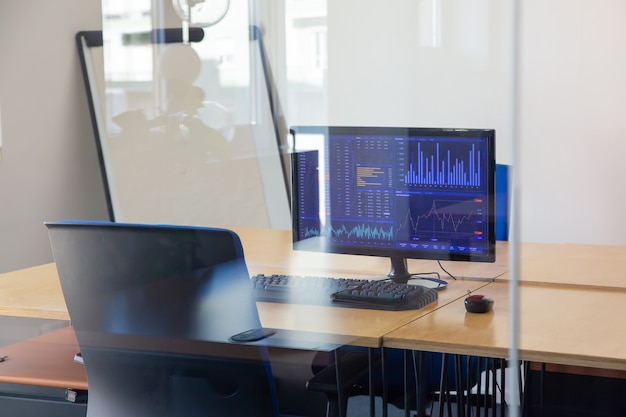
point(417, 359)
point(477, 388)
point(413, 362)
point(341, 399)
point(340, 380)
point(420, 389)
point(407, 380)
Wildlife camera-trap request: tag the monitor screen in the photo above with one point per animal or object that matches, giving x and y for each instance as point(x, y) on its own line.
point(425, 193)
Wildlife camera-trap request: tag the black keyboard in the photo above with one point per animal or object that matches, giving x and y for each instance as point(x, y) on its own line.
point(341, 292)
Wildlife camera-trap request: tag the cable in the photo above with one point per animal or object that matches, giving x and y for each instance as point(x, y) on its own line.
point(444, 270)
point(417, 274)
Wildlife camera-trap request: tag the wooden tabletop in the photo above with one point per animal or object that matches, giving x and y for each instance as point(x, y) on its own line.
point(562, 325)
point(39, 295)
point(33, 292)
point(46, 360)
point(360, 327)
point(270, 249)
point(564, 320)
point(595, 266)
point(36, 292)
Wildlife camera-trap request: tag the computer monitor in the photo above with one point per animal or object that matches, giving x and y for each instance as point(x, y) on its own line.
point(397, 192)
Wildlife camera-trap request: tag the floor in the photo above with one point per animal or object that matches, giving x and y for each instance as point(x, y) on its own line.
point(359, 407)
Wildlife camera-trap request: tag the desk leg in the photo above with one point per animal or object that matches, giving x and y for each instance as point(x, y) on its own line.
point(522, 385)
point(407, 382)
point(459, 386)
point(383, 357)
point(503, 388)
point(490, 403)
point(444, 397)
point(494, 384)
point(340, 391)
point(370, 356)
point(542, 375)
point(473, 374)
point(420, 389)
point(480, 399)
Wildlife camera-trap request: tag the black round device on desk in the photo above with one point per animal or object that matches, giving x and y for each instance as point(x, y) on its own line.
point(477, 303)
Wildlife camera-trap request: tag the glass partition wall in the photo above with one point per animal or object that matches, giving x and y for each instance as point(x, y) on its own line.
point(547, 76)
point(194, 102)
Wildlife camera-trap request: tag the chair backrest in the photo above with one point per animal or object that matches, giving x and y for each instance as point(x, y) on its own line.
point(153, 307)
point(502, 202)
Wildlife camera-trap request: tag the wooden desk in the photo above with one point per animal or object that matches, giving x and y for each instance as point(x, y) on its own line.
point(560, 325)
point(46, 360)
point(556, 326)
point(270, 251)
point(361, 327)
point(37, 374)
point(595, 266)
point(36, 292)
point(32, 292)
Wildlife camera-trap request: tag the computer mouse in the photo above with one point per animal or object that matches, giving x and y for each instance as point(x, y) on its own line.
point(477, 303)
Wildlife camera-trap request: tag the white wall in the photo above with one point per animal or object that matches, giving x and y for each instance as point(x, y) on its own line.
point(573, 129)
point(49, 168)
point(383, 69)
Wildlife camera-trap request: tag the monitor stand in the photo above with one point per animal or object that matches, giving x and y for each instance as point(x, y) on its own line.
point(399, 271)
point(400, 274)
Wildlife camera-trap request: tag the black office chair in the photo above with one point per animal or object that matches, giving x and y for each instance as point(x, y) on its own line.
point(502, 201)
point(153, 308)
point(427, 372)
point(354, 376)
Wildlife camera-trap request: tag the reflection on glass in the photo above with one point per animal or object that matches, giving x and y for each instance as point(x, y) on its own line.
point(185, 125)
point(199, 13)
point(306, 61)
point(429, 23)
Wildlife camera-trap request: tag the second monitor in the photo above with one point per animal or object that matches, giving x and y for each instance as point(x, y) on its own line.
point(425, 193)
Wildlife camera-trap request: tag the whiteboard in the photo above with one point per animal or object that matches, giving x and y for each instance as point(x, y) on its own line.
point(170, 154)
